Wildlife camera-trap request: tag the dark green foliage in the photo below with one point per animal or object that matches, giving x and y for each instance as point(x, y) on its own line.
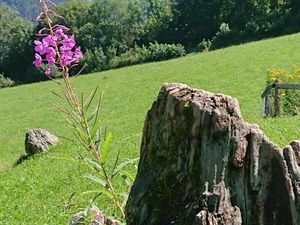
point(103, 23)
point(15, 45)
point(195, 20)
point(95, 60)
point(155, 52)
point(157, 16)
point(133, 56)
point(165, 51)
point(112, 33)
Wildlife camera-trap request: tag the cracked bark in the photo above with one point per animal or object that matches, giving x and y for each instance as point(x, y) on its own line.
point(201, 163)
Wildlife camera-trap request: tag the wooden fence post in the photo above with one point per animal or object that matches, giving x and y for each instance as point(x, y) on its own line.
point(277, 101)
point(266, 106)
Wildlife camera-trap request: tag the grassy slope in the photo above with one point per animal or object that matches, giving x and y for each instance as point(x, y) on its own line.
point(35, 191)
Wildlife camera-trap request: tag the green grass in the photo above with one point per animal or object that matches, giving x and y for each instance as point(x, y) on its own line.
point(35, 191)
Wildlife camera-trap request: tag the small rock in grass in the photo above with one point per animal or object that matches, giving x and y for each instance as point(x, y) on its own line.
point(93, 217)
point(39, 140)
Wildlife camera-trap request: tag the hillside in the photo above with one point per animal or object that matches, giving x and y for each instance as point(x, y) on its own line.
point(37, 191)
point(27, 8)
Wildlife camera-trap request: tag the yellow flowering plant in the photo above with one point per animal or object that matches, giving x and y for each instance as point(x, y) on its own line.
point(290, 98)
point(283, 76)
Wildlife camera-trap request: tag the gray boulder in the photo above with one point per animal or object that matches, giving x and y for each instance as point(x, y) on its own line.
point(39, 140)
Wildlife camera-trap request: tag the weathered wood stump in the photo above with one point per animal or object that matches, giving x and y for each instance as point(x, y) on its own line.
point(201, 163)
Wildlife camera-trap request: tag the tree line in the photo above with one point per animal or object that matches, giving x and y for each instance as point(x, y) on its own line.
point(27, 8)
point(115, 33)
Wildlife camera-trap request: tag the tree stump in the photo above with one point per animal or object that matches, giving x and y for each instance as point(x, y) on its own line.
point(201, 163)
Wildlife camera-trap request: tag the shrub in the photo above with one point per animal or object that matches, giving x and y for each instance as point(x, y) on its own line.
point(94, 60)
point(160, 52)
point(223, 37)
point(204, 46)
point(155, 52)
point(6, 82)
point(133, 56)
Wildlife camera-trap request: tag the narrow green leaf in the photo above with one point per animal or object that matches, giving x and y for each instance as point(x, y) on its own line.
point(96, 179)
point(98, 110)
point(82, 134)
point(96, 165)
point(63, 158)
point(91, 116)
point(81, 101)
point(116, 161)
point(105, 147)
point(105, 192)
point(89, 100)
point(81, 142)
point(125, 196)
point(87, 163)
point(98, 141)
point(122, 165)
point(126, 175)
point(58, 95)
point(96, 127)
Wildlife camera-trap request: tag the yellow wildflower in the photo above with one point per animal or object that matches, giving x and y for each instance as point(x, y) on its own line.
point(292, 76)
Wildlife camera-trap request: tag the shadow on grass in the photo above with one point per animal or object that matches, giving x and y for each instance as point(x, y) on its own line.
point(22, 159)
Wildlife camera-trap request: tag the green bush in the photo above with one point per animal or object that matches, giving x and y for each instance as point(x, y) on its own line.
point(6, 82)
point(155, 52)
point(133, 56)
point(160, 52)
point(94, 60)
point(224, 37)
point(204, 46)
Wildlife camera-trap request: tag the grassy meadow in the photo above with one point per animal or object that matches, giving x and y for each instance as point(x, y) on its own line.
point(38, 190)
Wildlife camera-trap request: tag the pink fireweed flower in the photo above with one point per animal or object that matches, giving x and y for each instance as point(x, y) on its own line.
point(50, 59)
point(50, 50)
point(69, 42)
point(38, 60)
point(78, 54)
point(48, 72)
point(63, 49)
point(57, 49)
point(60, 33)
point(39, 47)
point(66, 58)
point(50, 40)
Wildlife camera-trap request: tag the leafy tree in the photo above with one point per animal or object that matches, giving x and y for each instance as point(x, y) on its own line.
point(15, 44)
point(75, 13)
point(157, 17)
point(194, 20)
point(104, 23)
